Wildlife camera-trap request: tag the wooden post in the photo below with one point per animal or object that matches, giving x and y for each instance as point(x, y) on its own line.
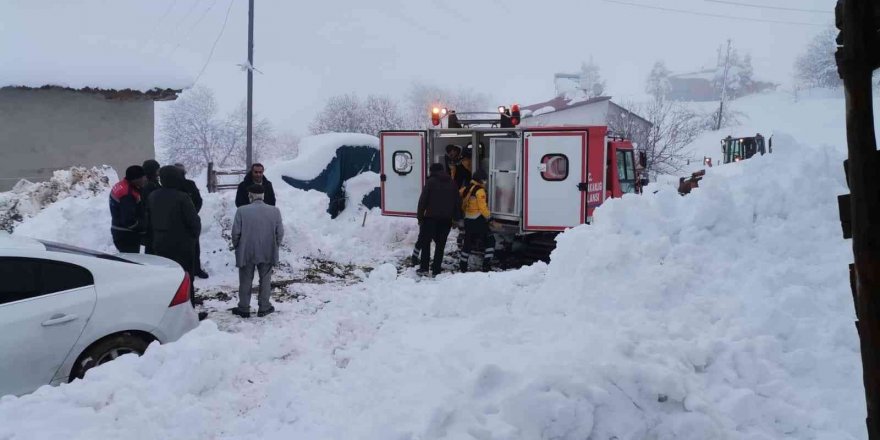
point(857, 58)
point(212, 178)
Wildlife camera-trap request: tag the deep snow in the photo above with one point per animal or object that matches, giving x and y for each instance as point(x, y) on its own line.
point(725, 314)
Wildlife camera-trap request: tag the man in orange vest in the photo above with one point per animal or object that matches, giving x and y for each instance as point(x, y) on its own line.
point(477, 221)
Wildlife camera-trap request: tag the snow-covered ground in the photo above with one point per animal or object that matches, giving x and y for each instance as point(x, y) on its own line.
point(722, 315)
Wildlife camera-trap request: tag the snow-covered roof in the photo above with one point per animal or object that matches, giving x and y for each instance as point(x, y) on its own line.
point(90, 64)
point(707, 74)
point(560, 103)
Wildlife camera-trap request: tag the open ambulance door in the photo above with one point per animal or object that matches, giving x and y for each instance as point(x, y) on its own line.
point(403, 171)
point(556, 179)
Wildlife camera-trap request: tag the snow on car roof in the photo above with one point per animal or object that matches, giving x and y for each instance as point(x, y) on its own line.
point(8, 241)
point(316, 152)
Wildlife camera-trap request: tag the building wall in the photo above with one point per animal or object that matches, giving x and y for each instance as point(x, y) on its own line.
point(591, 114)
point(46, 130)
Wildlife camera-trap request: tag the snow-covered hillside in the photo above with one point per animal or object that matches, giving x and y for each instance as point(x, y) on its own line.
point(725, 314)
point(812, 117)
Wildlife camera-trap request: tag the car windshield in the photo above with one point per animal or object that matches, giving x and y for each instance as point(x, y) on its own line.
point(67, 249)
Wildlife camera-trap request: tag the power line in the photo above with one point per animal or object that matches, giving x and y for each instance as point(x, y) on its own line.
point(185, 17)
point(706, 14)
point(195, 25)
point(778, 8)
point(152, 33)
point(217, 40)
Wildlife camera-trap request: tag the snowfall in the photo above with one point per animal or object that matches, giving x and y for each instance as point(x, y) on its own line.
point(725, 314)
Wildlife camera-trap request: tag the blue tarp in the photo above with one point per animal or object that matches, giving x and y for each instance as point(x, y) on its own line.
point(348, 162)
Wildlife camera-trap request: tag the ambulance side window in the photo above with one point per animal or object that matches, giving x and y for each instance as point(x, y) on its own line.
point(403, 162)
point(554, 167)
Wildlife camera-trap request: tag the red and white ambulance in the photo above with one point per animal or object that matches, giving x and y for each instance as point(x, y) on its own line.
point(541, 179)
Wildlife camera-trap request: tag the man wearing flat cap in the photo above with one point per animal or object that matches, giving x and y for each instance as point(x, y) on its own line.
point(256, 235)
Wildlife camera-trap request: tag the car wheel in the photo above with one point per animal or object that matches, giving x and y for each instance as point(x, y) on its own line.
point(107, 350)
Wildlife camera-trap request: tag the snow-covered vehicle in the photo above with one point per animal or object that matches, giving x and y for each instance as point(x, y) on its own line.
point(542, 180)
point(64, 310)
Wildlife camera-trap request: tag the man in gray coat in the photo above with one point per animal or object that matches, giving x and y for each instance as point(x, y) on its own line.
point(256, 234)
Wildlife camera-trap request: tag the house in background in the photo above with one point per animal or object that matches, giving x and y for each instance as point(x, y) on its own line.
point(571, 109)
point(698, 86)
point(83, 100)
point(47, 128)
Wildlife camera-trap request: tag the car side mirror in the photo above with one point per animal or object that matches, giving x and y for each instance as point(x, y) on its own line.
point(643, 159)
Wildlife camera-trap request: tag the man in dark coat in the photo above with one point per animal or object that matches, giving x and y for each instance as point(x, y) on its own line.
point(439, 206)
point(151, 169)
point(255, 176)
point(190, 188)
point(174, 221)
point(127, 211)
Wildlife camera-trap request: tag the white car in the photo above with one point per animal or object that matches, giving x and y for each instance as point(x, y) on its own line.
point(64, 310)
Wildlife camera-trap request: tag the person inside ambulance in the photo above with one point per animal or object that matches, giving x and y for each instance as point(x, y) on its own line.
point(477, 223)
point(463, 172)
point(458, 166)
point(452, 159)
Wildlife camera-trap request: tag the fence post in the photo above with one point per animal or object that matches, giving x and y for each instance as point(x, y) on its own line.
point(212, 178)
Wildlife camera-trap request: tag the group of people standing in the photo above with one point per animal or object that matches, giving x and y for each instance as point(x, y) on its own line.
point(158, 207)
point(453, 195)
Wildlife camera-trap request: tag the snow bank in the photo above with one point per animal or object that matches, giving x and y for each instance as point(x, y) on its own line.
point(27, 199)
point(725, 314)
point(316, 152)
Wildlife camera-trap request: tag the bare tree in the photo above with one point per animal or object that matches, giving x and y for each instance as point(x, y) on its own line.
point(816, 67)
point(673, 127)
point(284, 146)
point(658, 84)
point(382, 113)
point(234, 132)
point(189, 130)
point(349, 114)
point(422, 97)
point(193, 133)
point(341, 114)
point(591, 82)
point(734, 74)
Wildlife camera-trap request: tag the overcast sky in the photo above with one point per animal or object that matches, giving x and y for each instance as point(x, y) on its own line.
point(311, 50)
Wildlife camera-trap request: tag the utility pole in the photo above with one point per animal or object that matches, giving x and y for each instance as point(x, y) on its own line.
point(723, 88)
point(250, 87)
point(858, 55)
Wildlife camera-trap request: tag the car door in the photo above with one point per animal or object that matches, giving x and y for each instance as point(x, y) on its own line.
point(44, 307)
